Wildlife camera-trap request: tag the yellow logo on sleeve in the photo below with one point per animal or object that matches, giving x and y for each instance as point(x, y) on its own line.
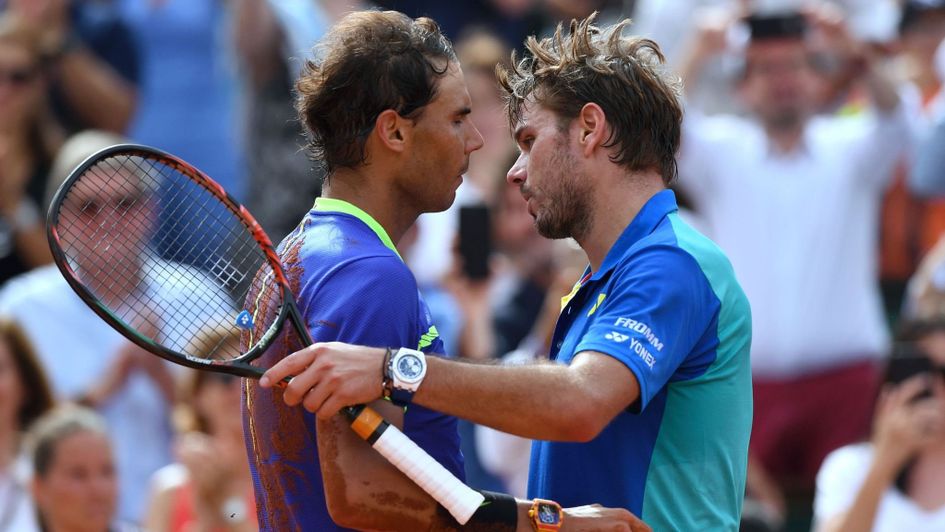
point(600, 299)
point(428, 337)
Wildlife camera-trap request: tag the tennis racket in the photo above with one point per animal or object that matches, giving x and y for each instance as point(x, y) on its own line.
point(112, 226)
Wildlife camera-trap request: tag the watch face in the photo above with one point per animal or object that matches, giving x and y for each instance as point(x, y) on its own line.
point(409, 367)
point(548, 514)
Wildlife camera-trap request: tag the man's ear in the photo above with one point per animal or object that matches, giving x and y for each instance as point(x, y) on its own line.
point(593, 128)
point(392, 130)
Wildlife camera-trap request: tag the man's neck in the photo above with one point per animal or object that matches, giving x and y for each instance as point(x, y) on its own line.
point(374, 198)
point(9, 444)
point(613, 209)
point(785, 139)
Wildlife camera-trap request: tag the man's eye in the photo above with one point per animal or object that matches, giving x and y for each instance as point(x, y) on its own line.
point(89, 207)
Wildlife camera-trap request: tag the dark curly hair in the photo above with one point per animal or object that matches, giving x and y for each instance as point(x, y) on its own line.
point(369, 62)
point(625, 76)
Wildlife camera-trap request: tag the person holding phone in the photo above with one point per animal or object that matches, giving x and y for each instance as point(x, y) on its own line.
point(894, 481)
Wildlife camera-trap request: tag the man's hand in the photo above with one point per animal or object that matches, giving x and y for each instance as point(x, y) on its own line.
point(905, 423)
point(327, 377)
point(597, 518)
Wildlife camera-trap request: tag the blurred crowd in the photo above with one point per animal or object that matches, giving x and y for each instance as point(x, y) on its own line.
point(813, 153)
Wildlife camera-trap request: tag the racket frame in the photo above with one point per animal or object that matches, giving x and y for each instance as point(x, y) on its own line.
point(460, 500)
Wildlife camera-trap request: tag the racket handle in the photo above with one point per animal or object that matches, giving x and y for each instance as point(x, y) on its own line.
point(459, 499)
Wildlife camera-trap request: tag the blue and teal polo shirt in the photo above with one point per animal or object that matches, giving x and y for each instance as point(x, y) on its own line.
point(666, 304)
point(351, 286)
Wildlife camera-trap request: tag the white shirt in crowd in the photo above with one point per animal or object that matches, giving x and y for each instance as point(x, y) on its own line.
point(801, 230)
point(76, 348)
point(840, 479)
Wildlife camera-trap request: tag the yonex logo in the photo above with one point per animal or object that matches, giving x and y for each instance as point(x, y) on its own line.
point(641, 328)
point(244, 320)
point(617, 337)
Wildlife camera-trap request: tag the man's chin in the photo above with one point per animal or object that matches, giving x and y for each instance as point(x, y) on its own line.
point(442, 206)
point(787, 119)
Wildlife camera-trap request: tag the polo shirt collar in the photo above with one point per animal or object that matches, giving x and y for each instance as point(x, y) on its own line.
point(653, 211)
point(337, 205)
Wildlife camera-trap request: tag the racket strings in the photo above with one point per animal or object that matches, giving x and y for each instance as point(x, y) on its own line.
point(164, 255)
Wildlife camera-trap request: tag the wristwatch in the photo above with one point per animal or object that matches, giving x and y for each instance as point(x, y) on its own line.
point(546, 516)
point(405, 372)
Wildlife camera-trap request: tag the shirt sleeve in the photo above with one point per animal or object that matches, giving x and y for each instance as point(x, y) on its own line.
point(927, 178)
point(374, 301)
point(704, 138)
point(369, 301)
point(885, 141)
point(658, 306)
point(839, 480)
point(693, 179)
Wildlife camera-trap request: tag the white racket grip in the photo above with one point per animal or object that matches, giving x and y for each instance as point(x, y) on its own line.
point(461, 500)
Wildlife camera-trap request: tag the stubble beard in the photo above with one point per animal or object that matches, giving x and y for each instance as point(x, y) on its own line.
point(567, 214)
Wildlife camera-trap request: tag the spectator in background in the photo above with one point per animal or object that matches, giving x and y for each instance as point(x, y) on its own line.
point(928, 173)
point(29, 139)
point(91, 363)
point(794, 201)
point(92, 61)
point(281, 184)
point(210, 487)
point(913, 218)
point(894, 481)
point(511, 20)
point(188, 100)
point(501, 310)
point(74, 473)
point(25, 395)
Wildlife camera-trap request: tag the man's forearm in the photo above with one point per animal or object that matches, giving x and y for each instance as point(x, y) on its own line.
point(96, 93)
point(539, 401)
point(364, 491)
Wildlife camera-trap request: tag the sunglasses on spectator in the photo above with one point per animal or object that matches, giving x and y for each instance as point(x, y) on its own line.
point(17, 77)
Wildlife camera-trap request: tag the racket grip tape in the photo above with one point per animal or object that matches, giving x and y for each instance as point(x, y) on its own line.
point(459, 499)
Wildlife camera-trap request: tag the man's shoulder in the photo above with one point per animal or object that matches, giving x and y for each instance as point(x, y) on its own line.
point(674, 245)
point(40, 284)
point(679, 256)
point(339, 254)
point(333, 238)
point(838, 128)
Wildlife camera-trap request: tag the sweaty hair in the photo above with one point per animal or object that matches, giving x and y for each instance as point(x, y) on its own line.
point(371, 61)
point(625, 76)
